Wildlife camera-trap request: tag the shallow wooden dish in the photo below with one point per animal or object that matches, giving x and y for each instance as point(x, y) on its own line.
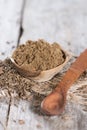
point(41, 76)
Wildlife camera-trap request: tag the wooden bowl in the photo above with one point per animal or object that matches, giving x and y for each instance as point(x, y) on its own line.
point(41, 76)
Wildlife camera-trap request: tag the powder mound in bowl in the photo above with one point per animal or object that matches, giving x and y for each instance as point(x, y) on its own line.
point(38, 55)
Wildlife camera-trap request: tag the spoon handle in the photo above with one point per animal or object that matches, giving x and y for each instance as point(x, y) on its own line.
point(76, 69)
point(54, 103)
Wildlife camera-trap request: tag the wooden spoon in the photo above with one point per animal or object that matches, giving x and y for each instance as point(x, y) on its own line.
point(55, 102)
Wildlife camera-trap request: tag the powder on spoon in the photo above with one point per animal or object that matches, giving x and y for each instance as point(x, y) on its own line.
point(38, 55)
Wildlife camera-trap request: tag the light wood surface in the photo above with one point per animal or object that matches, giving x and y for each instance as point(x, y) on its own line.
point(10, 22)
point(53, 20)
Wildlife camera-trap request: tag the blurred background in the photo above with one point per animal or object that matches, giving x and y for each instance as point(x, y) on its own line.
point(62, 21)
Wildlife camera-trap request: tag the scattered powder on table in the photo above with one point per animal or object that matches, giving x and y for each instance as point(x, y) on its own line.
point(12, 83)
point(15, 84)
point(38, 55)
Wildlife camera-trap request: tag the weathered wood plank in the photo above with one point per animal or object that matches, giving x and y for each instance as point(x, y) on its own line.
point(10, 19)
point(57, 20)
point(73, 118)
point(51, 21)
point(21, 117)
point(4, 111)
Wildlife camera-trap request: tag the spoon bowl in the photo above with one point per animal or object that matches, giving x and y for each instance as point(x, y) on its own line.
point(53, 104)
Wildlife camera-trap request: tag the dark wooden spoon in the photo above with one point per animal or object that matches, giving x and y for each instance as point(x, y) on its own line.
point(54, 103)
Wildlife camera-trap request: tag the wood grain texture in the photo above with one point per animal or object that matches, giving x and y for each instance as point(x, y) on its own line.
point(4, 111)
point(73, 118)
point(10, 18)
point(56, 20)
point(22, 118)
point(10, 22)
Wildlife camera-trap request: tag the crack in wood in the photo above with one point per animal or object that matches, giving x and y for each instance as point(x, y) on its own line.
point(20, 34)
point(9, 107)
point(21, 30)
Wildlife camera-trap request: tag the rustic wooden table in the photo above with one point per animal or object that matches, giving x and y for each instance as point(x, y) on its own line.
point(53, 20)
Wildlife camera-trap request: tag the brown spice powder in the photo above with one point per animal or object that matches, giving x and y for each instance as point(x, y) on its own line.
point(38, 55)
